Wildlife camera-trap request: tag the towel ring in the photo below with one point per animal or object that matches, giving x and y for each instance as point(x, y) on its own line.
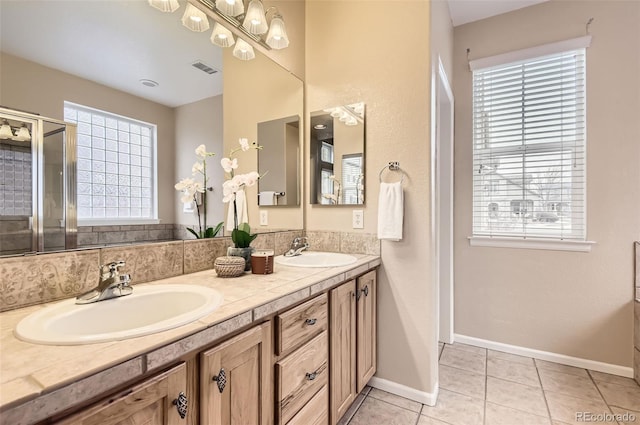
point(392, 166)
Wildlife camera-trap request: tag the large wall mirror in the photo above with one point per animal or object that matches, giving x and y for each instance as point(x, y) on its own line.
point(337, 155)
point(129, 59)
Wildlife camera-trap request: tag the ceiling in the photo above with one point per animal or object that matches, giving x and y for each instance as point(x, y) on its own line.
point(118, 43)
point(465, 11)
point(115, 43)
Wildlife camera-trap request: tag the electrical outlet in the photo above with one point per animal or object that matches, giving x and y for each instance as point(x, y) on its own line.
point(358, 219)
point(264, 218)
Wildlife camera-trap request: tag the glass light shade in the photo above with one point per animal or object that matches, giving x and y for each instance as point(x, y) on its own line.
point(351, 121)
point(277, 36)
point(243, 50)
point(168, 6)
point(230, 7)
point(195, 19)
point(23, 134)
point(5, 131)
point(255, 22)
point(336, 113)
point(221, 36)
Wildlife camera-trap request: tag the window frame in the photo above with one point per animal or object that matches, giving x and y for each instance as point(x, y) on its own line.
point(531, 241)
point(116, 221)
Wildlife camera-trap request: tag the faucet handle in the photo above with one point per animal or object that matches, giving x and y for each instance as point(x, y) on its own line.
point(113, 267)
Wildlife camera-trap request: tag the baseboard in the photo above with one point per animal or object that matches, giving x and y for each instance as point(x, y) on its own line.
point(546, 355)
point(404, 391)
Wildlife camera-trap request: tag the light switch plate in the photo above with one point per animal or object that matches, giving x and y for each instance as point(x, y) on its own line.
point(264, 218)
point(358, 219)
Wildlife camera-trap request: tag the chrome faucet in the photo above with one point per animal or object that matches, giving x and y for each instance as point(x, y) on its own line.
point(111, 284)
point(297, 246)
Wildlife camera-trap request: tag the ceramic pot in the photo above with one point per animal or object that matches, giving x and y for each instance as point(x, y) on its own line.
point(242, 252)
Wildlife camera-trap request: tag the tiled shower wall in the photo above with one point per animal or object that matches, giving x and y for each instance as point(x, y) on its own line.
point(35, 279)
point(15, 175)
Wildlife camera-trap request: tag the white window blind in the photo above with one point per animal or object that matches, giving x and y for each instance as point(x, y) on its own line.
point(529, 148)
point(115, 166)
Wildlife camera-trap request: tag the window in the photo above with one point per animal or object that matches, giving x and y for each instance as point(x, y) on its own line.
point(116, 167)
point(529, 148)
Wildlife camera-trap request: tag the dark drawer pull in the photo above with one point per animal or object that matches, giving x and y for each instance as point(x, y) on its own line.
point(221, 379)
point(310, 376)
point(181, 404)
point(366, 290)
point(310, 322)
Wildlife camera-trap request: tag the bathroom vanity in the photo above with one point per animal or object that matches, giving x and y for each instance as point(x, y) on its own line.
point(292, 347)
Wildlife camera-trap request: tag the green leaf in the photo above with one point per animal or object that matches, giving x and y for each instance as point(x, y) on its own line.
point(245, 227)
point(208, 233)
point(217, 229)
point(196, 234)
point(242, 239)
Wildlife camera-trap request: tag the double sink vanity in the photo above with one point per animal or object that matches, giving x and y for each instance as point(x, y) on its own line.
point(292, 347)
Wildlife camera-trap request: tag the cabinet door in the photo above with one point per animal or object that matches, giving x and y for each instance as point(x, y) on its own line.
point(343, 349)
point(235, 380)
point(366, 334)
point(148, 403)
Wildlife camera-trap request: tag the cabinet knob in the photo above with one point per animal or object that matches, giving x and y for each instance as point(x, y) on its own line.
point(366, 290)
point(181, 405)
point(310, 322)
point(221, 379)
point(310, 376)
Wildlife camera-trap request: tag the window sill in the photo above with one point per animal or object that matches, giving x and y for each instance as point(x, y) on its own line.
point(116, 222)
point(531, 243)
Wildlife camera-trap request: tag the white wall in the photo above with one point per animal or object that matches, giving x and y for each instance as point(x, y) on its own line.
point(577, 304)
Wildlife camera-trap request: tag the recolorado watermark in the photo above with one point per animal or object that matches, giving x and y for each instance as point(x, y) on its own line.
point(605, 417)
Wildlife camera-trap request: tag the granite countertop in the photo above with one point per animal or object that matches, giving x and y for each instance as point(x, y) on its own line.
point(31, 370)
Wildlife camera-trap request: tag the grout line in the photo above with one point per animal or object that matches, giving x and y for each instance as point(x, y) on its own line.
point(598, 389)
point(544, 393)
point(486, 385)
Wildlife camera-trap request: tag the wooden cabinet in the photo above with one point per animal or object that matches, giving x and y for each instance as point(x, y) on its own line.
point(236, 387)
point(152, 402)
point(299, 324)
point(353, 341)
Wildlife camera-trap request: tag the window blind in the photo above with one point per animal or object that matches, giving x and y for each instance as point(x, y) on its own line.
point(529, 148)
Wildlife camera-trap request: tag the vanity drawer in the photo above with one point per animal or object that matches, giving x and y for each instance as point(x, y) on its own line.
point(316, 412)
point(300, 375)
point(297, 325)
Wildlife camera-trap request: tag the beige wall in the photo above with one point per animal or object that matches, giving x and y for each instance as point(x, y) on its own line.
point(349, 60)
point(256, 91)
point(200, 123)
point(575, 304)
point(35, 88)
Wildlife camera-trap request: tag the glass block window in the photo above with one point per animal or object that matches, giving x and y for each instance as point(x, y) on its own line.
point(116, 166)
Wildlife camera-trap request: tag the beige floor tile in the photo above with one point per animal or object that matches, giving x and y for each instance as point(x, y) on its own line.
point(456, 409)
point(462, 381)
point(462, 359)
point(467, 347)
point(500, 415)
point(512, 371)
point(543, 364)
point(517, 396)
point(565, 408)
point(572, 385)
point(374, 411)
point(626, 416)
point(620, 395)
point(614, 379)
point(426, 420)
point(492, 354)
point(405, 403)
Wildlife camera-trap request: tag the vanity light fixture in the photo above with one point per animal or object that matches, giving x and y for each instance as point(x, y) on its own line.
point(23, 135)
point(255, 21)
point(221, 36)
point(168, 6)
point(243, 50)
point(5, 130)
point(277, 37)
point(320, 127)
point(230, 7)
point(195, 19)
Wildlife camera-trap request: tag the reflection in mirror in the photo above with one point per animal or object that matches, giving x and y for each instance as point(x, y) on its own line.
point(337, 155)
point(278, 162)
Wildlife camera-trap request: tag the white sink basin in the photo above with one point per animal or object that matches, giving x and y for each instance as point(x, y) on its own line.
point(317, 259)
point(149, 309)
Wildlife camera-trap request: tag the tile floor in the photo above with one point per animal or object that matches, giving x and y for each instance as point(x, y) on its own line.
point(486, 387)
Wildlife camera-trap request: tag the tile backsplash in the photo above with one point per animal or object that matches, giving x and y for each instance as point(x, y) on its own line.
point(36, 279)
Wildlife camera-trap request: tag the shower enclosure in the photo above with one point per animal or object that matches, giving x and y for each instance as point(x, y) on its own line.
point(37, 184)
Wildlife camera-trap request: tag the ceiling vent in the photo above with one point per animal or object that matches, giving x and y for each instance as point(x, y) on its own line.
point(204, 67)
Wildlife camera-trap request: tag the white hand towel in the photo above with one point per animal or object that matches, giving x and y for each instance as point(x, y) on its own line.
point(267, 198)
point(241, 207)
point(390, 211)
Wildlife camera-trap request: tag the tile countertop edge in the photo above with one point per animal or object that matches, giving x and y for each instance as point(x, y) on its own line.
point(164, 352)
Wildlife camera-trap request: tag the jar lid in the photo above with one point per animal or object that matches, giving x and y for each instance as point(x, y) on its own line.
point(229, 261)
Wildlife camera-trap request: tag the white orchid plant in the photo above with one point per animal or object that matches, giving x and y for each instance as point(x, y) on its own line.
point(193, 189)
point(241, 233)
